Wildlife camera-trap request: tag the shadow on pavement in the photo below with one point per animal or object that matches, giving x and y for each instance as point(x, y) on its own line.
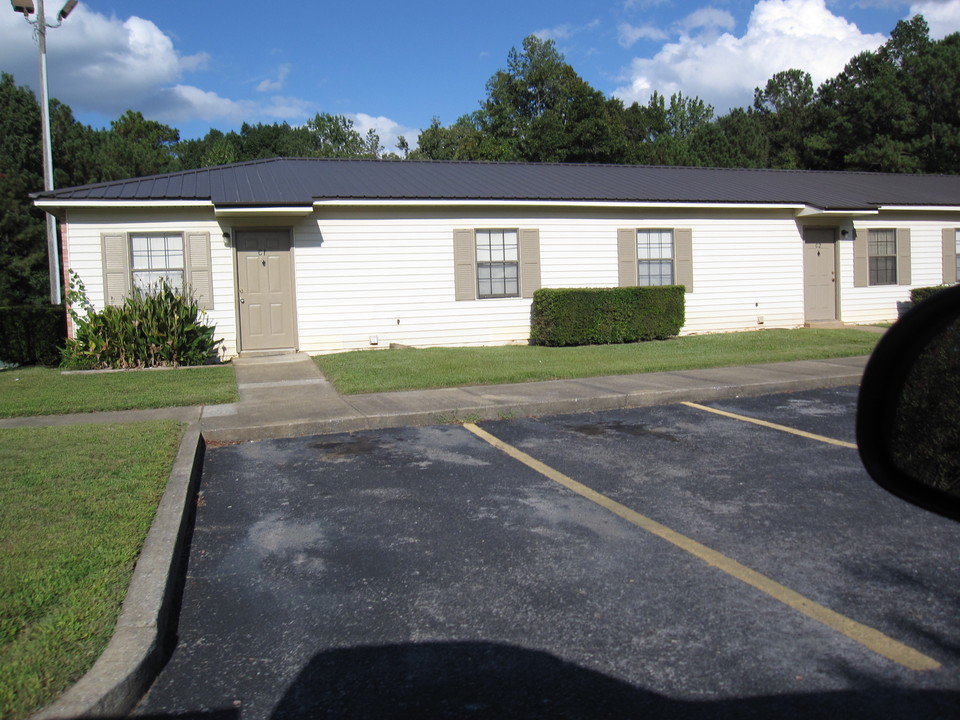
point(486, 680)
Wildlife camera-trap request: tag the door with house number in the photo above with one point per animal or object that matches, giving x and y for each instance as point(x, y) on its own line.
point(265, 290)
point(819, 274)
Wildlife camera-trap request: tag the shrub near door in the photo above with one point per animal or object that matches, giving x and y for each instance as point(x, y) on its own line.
point(601, 316)
point(157, 327)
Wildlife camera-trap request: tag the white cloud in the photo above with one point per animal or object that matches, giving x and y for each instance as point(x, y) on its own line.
point(185, 103)
point(707, 18)
point(97, 63)
point(943, 16)
point(723, 69)
point(388, 130)
point(560, 32)
point(284, 107)
point(274, 85)
point(107, 65)
point(643, 4)
point(628, 34)
point(565, 31)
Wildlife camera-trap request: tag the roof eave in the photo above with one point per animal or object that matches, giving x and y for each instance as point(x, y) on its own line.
point(921, 208)
point(814, 211)
point(53, 203)
point(493, 202)
point(264, 211)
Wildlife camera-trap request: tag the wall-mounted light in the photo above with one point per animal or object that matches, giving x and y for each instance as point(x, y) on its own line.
point(226, 239)
point(844, 233)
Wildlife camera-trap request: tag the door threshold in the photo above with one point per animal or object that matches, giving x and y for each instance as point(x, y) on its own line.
point(268, 353)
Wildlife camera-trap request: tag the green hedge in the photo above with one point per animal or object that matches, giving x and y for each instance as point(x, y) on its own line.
point(602, 316)
point(922, 293)
point(32, 334)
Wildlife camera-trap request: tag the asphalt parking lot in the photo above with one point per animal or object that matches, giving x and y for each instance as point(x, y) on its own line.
point(659, 562)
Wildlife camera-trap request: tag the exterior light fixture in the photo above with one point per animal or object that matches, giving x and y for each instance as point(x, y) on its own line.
point(66, 10)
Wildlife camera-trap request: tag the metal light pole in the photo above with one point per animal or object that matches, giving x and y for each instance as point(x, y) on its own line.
point(40, 26)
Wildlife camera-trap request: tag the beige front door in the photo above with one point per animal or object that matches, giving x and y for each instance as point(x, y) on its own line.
point(265, 290)
point(819, 274)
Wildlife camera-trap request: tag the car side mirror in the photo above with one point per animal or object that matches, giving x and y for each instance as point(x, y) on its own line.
point(908, 411)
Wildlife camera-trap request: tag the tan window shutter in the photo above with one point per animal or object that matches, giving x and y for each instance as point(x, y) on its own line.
point(683, 258)
point(116, 268)
point(529, 262)
point(627, 257)
point(199, 270)
point(904, 276)
point(861, 263)
point(949, 256)
point(464, 265)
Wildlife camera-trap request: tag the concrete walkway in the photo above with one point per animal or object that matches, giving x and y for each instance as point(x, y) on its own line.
point(287, 396)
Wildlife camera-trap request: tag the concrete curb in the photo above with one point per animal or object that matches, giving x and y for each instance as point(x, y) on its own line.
point(136, 652)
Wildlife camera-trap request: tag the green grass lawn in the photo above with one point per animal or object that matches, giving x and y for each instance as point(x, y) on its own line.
point(75, 506)
point(45, 391)
point(407, 369)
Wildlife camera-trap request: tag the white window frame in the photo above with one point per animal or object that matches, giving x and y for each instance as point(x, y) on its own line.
point(498, 263)
point(873, 257)
point(154, 256)
point(650, 247)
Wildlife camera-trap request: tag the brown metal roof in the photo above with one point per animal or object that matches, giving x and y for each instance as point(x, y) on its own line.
point(301, 181)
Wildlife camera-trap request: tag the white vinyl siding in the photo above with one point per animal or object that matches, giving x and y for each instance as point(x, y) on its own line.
point(391, 273)
point(393, 277)
point(99, 252)
point(861, 303)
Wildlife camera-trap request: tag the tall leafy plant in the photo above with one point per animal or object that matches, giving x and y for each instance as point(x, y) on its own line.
point(157, 327)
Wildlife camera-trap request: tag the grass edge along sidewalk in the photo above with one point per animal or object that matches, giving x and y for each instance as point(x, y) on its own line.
point(77, 503)
point(368, 371)
point(30, 391)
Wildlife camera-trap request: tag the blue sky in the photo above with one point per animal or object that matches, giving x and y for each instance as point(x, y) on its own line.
point(394, 66)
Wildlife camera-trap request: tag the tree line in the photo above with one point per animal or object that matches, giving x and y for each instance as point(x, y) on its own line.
point(895, 109)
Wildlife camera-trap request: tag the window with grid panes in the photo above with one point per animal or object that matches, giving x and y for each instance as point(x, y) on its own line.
point(882, 257)
point(497, 264)
point(155, 257)
point(655, 257)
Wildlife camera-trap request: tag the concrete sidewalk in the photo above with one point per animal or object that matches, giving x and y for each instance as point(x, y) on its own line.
point(287, 396)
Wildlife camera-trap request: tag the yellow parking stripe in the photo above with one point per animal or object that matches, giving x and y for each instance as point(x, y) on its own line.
point(866, 636)
point(764, 423)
